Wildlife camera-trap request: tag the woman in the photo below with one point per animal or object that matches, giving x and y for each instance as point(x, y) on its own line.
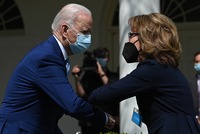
point(162, 92)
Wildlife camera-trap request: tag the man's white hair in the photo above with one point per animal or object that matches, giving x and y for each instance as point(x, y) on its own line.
point(68, 14)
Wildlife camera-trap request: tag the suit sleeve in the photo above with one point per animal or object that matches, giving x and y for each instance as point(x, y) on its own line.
point(52, 79)
point(141, 80)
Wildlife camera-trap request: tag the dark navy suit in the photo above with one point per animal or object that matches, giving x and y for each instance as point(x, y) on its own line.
point(39, 93)
point(194, 89)
point(163, 96)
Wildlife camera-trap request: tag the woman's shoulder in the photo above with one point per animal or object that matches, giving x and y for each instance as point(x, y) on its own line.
point(151, 66)
point(149, 62)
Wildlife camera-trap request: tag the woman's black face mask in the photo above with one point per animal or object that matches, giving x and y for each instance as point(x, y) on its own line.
point(130, 52)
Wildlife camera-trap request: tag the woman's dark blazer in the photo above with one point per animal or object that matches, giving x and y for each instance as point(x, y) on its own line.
point(163, 95)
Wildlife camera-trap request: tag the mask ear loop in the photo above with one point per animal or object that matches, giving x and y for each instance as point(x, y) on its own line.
point(139, 51)
point(73, 31)
point(70, 28)
point(68, 41)
point(135, 41)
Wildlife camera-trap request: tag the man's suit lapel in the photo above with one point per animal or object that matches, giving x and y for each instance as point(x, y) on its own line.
point(53, 42)
point(58, 52)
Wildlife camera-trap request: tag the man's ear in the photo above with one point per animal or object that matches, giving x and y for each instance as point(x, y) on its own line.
point(66, 27)
point(64, 30)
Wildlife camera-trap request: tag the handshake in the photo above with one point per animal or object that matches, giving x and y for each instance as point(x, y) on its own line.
point(110, 122)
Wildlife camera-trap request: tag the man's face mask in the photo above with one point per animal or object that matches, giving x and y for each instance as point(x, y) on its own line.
point(197, 67)
point(82, 43)
point(130, 52)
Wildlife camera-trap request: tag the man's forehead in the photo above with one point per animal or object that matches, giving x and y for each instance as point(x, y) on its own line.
point(84, 21)
point(82, 25)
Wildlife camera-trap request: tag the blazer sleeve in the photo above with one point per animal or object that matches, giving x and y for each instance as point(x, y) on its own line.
point(140, 80)
point(52, 79)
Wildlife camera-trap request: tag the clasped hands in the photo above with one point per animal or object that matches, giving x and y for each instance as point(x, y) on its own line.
point(111, 122)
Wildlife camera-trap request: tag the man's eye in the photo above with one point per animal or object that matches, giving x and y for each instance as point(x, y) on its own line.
point(86, 32)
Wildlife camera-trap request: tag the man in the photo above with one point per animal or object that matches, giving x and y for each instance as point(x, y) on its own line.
point(39, 92)
point(195, 84)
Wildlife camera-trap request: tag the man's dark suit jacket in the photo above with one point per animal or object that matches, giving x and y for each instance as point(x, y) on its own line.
point(194, 88)
point(39, 93)
point(163, 96)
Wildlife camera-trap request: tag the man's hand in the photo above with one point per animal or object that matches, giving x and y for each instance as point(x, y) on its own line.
point(111, 122)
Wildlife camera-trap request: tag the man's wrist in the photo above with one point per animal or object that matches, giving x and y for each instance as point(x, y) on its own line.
point(110, 122)
point(106, 118)
point(197, 117)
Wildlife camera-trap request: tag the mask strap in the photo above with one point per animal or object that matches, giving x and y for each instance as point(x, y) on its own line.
point(134, 44)
point(135, 41)
point(67, 37)
point(68, 40)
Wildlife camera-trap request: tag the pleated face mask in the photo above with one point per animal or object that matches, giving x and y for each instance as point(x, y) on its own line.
point(82, 43)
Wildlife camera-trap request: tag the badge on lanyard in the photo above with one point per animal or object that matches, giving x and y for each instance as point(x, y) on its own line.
point(136, 117)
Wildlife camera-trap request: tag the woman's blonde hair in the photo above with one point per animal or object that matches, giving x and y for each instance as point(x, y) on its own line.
point(158, 38)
